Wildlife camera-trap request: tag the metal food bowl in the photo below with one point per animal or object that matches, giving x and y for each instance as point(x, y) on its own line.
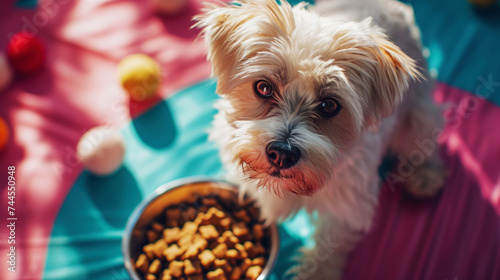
point(174, 193)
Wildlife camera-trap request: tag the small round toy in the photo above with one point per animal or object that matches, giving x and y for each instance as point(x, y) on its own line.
point(139, 75)
point(4, 134)
point(26, 53)
point(169, 7)
point(101, 150)
point(5, 72)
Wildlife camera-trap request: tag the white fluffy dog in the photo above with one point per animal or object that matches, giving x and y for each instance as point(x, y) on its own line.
point(312, 99)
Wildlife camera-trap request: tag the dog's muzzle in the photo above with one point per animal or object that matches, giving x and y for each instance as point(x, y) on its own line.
point(282, 155)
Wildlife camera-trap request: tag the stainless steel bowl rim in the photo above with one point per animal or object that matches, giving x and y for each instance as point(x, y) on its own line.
point(134, 217)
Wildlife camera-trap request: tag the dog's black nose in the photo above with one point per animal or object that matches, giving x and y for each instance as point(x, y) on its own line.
point(282, 154)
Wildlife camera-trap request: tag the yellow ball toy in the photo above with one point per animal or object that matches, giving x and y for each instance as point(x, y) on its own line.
point(139, 75)
point(4, 134)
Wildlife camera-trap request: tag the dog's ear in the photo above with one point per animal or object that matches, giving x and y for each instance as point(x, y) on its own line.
point(379, 70)
point(235, 32)
point(221, 26)
point(394, 71)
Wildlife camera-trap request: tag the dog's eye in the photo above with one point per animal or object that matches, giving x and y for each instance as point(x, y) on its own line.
point(329, 108)
point(263, 89)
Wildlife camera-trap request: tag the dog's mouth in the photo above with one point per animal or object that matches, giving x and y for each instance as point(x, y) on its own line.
point(279, 180)
point(274, 172)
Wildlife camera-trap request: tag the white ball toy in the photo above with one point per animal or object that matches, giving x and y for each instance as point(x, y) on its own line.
point(169, 7)
point(101, 150)
point(5, 72)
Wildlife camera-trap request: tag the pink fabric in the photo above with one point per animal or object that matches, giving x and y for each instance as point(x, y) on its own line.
point(455, 236)
point(77, 90)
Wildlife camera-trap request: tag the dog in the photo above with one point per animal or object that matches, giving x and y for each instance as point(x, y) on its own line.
point(312, 98)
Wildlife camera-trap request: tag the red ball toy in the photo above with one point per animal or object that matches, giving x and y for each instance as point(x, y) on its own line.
point(26, 53)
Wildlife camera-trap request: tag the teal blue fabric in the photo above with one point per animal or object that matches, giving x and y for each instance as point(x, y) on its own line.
point(464, 44)
point(27, 3)
point(168, 142)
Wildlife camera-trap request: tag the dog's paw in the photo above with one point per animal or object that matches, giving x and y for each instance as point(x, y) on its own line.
point(427, 179)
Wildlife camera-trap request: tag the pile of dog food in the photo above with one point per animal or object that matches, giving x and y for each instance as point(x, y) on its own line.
point(212, 238)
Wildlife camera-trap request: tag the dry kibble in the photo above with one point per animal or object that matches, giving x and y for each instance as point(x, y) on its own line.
point(152, 236)
point(176, 268)
point(173, 214)
point(192, 251)
point(189, 228)
point(185, 241)
point(242, 252)
point(171, 235)
point(203, 208)
point(172, 223)
point(248, 246)
point(258, 231)
point(209, 201)
point(199, 218)
point(213, 216)
point(149, 251)
point(172, 217)
point(159, 247)
point(173, 252)
point(245, 264)
point(206, 258)
point(226, 223)
point(157, 227)
point(254, 250)
point(232, 254)
point(228, 238)
point(155, 267)
point(253, 272)
point(189, 214)
point(218, 263)
point(236, 274)
point(166, 275)
point(142, 263)
point(200, 242)
point(217, 274)
point(192, 267)
point(203, 241)
point(209, 232)
point(251, 249)
point(260, 250)
point(219, 214)
point(240, 229)
point(220, 250)
point(208, 218)
point(242, 215)
point(260, 261)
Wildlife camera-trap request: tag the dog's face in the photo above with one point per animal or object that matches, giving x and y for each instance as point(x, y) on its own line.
point(298, 88)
